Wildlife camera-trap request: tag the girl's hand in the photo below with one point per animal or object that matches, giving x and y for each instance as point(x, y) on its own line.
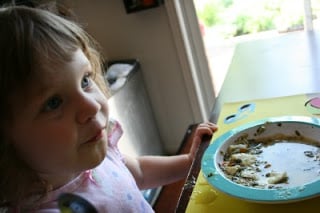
point(202, 129)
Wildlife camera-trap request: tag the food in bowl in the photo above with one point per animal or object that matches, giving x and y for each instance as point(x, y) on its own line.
point(272, 160)
point(258, 161)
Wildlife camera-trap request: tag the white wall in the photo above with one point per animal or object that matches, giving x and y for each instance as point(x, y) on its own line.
point(147, 37)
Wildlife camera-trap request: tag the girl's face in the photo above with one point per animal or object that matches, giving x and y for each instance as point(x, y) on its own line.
point(61, 129)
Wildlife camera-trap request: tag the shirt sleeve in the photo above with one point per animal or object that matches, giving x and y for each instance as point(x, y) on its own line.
point(115, 132)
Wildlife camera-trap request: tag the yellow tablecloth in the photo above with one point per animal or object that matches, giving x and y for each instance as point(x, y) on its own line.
point(207, 199)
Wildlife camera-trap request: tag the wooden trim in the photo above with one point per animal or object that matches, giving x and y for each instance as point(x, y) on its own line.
point(192, 177)
point(175, 197)
point(168, 198)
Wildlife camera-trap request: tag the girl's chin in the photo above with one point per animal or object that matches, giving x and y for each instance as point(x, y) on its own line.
point(98, 155)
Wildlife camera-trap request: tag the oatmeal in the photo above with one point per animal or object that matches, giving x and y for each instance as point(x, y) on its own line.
point(273, 162)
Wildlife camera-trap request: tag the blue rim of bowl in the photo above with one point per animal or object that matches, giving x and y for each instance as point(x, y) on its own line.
point(216, 178)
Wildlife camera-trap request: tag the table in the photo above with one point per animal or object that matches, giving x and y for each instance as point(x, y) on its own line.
point(284, 66)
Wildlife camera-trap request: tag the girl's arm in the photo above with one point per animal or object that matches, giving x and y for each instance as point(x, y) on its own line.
point(154, 171)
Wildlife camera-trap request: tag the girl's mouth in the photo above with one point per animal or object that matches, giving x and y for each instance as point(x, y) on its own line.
point(97, 137)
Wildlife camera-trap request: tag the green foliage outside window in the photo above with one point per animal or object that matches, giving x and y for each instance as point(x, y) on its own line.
point(251, 16)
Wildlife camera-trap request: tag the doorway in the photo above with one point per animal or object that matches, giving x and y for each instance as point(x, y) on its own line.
point(226, 23)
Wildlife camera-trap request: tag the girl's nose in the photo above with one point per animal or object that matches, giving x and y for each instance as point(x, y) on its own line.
point(87, 107)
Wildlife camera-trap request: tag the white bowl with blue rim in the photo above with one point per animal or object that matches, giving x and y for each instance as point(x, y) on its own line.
point(299, 159)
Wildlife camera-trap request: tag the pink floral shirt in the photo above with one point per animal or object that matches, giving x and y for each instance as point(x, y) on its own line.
point(110, 187)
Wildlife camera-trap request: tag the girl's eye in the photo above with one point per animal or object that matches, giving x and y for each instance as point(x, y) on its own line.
point(86, 81)
point(52, 104)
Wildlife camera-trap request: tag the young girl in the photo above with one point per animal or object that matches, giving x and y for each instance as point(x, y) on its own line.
point(56, 136)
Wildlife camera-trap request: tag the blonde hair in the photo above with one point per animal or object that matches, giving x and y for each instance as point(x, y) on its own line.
point(30, 39)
